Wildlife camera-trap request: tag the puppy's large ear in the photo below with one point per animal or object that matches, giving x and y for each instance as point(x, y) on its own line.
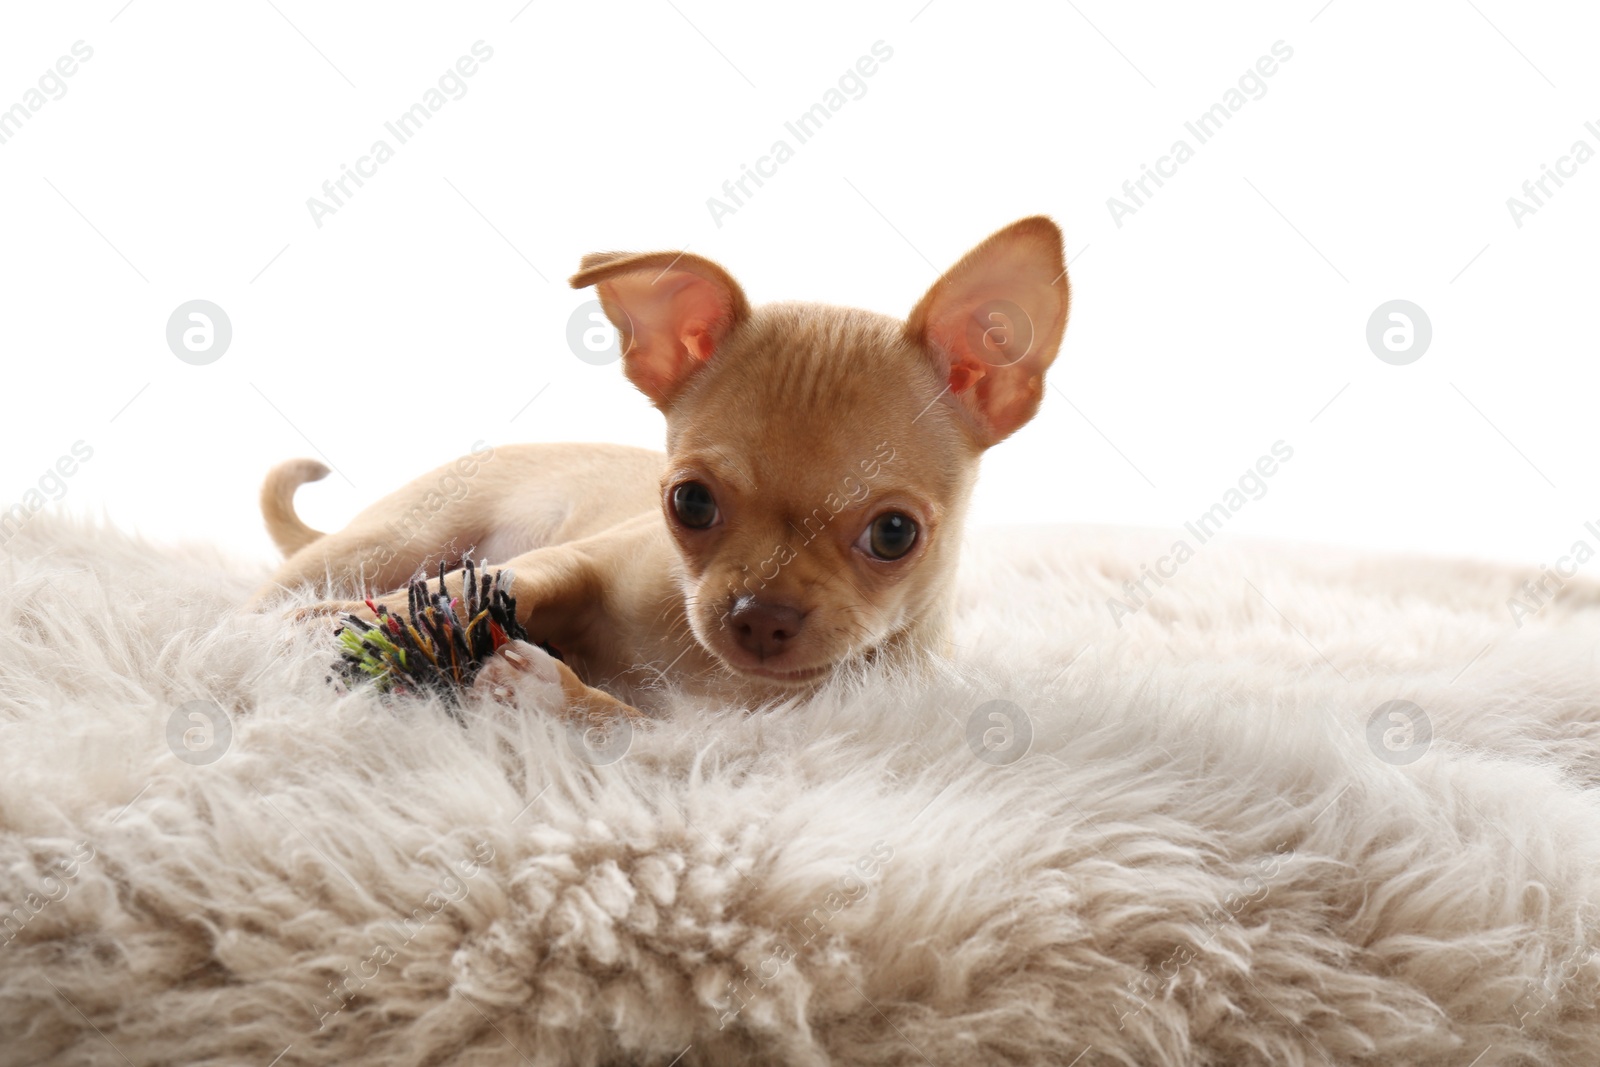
point(672, 310)
point(995, 321)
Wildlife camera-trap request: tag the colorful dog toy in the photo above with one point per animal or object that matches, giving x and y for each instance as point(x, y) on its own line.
point(443, 644)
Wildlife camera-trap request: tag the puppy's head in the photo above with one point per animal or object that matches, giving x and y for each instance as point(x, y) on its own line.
point(819, 458)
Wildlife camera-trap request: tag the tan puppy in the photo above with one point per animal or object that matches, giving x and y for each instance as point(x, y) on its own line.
point(808, 511)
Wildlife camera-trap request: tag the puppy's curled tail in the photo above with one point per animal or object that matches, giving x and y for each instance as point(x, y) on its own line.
point(277, 503)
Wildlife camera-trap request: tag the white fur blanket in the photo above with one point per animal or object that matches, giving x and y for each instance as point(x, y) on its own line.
point(1193, 845)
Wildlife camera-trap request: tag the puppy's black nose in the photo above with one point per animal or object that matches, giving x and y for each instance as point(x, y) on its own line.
point(762, 627)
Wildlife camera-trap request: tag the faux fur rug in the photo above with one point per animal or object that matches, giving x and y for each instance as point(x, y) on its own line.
point(1194, 830)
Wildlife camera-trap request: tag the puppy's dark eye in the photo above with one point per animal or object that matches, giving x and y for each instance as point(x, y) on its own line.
point(891, 535)
point(694, 505)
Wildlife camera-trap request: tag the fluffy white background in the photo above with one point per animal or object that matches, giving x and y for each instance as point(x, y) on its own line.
point(1204, 329)
point(1200, 858)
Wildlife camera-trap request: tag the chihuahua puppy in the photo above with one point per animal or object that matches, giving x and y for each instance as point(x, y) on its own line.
point(806, 515)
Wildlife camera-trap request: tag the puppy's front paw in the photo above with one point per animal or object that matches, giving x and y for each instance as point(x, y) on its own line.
point(519, 671)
